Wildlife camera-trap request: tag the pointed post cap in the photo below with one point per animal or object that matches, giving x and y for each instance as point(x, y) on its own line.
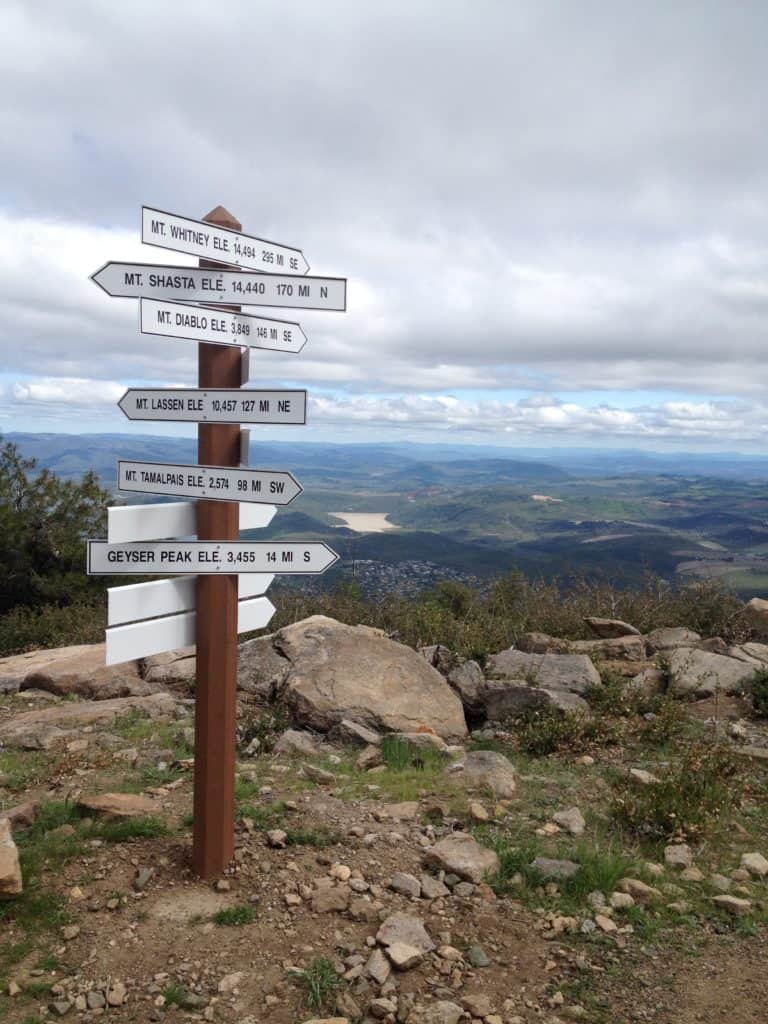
point(223, 219)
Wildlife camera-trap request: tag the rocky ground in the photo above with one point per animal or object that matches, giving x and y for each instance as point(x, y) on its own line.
point(590, 848)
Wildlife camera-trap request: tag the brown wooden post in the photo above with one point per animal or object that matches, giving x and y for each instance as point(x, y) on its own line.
point(213, 843)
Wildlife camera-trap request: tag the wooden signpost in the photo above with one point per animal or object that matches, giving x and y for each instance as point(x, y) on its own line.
point(219, 581)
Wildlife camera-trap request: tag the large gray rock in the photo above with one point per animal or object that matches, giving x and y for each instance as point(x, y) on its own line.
point(669, 639)
point(752, 653)
point(261, 667)
point(756, 614)
point(468, 681)
point(46, 728)
point(698, 674)
point(623, 648)
point(503, 700)
point(490, 770)
point(610, 629)
point(10, 870)
point(338, 671)
point(573, 673)
point(461, 854)
point(542, 643)
point(170, 666)
point(78, 669)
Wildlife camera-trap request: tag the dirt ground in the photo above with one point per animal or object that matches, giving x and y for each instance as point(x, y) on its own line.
point(86, 925)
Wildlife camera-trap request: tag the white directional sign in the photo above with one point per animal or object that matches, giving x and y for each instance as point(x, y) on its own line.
point(211, 557)
point(137, 601)
point(201, 323)
point(221, 483)
point(214, 405)
point(234, 287)
point(126, 523)
point(142, 639)
point(210, 242)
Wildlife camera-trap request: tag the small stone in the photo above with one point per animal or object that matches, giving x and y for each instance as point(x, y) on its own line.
point(142, 879)
point(432, 888)
point(642, 777)
point(277, 838)
point(476, 1004)
point(14, 988)
point(621, 900)
point(95, 1000)
point(70, 931)
point(755, 864)
point(733, 905)
point(586, 761)
point(554, 869)
point(478, 957)
point(449, 953)
point(678, 855)
point(596, 900)
point(679, 906)
point(116, 994)
point(60, 1007)
point(10, 869)
point(720, 882)
point(692, 874)
point(442, 1012)
point(463, 855)
point(653, 869)
point(292, 899)
point(638, 890)
point(403, 957)
point(341, 872)
point(382, 1007)
point(478, 812)
point(230, 982)
point(740, 875)
point(405, 884)
point(223, 885)
point(572, 820)
point(378, 967)
point(605, 924)
point(319, 775)
point(331, 900)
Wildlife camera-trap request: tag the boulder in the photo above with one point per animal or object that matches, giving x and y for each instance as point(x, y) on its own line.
point(294, 743)
point(10, 869)
point(699, 674)
point(650, 682)
point(571, 819)
point(338, 671)
point(669, 639)
point(48, 727)
point(261, 667)
point(504, 699)
point(460, 854)
point(756, 615)
point(116, 806)
point(355, 734)
point(610, 629)
point(573, 673)
point(752, 653)
point(468, 681)
point(170, 666)
point(491, 770)
point(623, 648)
point(82, 673)
point(542, 643)
point(440, 657)
point(14, 670)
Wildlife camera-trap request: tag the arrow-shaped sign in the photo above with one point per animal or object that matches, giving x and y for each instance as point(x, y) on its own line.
point(201, 323)
point(211, 242)
point(214, 405)
point(221, 483)
point(234, 287)
point(212, 557)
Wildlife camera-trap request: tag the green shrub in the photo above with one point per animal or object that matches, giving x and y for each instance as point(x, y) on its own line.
point(758, 690)
point(399, 755)
point(689, 801)
point(24, 629)
point(241, 914)
point(548, 730)
point(319, 983)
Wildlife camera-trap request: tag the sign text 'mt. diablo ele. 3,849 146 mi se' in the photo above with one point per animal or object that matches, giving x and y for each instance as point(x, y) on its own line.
point(183, 302)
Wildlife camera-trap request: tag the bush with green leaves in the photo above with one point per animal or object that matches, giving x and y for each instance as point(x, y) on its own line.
point(698, 787)
point(758, 691)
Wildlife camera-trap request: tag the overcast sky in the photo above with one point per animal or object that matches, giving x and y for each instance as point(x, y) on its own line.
point(553, 216)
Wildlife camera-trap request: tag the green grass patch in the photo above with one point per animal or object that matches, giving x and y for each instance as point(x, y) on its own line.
point(400, 756)
point(129, 829)
point(319, 984)
point(319, 837)
point(23, 769)
point(236, 916)
point(174, 995)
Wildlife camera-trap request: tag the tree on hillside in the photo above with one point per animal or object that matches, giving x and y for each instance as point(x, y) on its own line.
point(44, 523)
